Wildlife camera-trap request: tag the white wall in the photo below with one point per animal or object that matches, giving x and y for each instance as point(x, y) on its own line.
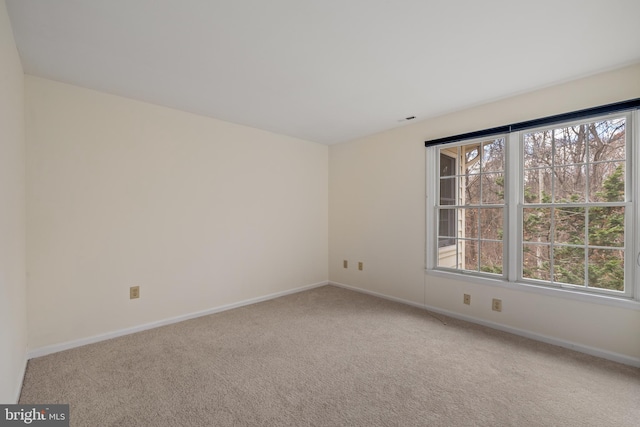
point(198, 212)
point(13, 320)
point(377, 215)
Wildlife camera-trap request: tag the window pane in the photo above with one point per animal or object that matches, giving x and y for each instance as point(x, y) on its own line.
point(537, 149)
point(537, 185)
point(570, 184)
point(607, 140)
point(471, 223)
point(491, 223)
point(491, 257)
point(447, 191)
point(536, 262)
point(493, 156)
point(493, 188)
point(568, 265)
point(570, 144)
point(445, 243)
point(606, 226)
point(470, 254)
point(606, 269)
point(472, 190)
point(569, 225)
point(447, 165)
point(472, 158)
point(606, 182)
point(447, 227)
point(536, 224)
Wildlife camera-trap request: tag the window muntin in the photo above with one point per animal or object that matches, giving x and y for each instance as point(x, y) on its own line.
point(471, 207)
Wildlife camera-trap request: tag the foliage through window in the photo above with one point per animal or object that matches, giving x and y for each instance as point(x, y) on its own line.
point(574, 204)
point(471, 206)
point(573, 219)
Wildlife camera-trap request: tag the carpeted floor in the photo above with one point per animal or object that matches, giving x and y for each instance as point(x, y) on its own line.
point(332, 357)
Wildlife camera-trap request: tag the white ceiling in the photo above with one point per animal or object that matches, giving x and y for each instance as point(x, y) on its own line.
point(324, 70)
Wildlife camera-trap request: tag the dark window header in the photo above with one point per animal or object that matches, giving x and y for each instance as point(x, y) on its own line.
point(549, 120)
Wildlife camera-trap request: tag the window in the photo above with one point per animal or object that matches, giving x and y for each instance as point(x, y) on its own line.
point(471, 206)
point(549, 206)
point(575, 203)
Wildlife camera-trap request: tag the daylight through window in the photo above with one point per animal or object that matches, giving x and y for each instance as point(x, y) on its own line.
point(572, 184)
point(471, 208)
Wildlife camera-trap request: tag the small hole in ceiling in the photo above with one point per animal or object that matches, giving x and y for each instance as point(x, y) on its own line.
point(406, 119)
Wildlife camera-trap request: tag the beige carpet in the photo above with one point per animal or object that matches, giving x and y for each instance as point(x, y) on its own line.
point(332, 357)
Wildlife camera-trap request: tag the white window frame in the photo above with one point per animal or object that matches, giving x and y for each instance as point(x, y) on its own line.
point(512, 271)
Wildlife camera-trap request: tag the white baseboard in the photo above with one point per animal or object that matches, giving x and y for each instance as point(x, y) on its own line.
point(376, 294)
point(43, 351)
point(604, 354)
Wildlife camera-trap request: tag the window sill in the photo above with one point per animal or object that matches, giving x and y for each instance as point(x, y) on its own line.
point(621, 302)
